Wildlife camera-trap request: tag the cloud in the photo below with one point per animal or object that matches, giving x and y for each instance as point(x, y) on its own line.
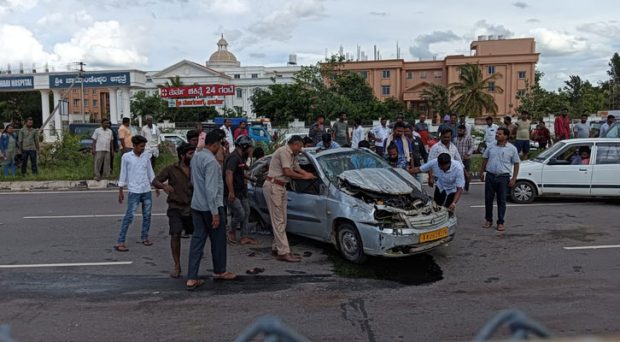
point(65, 20)
point(11, 6)
point(228, 6)
point(422, 43)
point(20, 46)
point(532, 21)
point(603, 29)
point(279, 24)
point(481, 27)
point(520, 4)
point(257, 55)
point(105, 44)
point(552, 43)
point(378, 14)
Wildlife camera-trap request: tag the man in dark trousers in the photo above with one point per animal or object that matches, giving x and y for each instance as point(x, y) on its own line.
point(498, 162)
point(236, 190)
point(179, 190)
point(208, 212)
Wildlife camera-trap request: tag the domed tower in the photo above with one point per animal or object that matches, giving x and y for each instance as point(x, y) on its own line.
point(222, 57)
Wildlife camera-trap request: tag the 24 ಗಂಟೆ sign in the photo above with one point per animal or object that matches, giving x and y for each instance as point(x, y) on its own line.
point(197, 91)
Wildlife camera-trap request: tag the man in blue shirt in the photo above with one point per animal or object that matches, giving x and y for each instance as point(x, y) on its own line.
point(326, 142)
point(499, 160)
point(450, 180)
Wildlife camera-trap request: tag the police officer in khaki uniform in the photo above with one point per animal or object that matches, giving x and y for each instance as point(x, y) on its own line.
point(282, 168)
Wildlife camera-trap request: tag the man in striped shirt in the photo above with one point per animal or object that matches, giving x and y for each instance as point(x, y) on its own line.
point(465, 146)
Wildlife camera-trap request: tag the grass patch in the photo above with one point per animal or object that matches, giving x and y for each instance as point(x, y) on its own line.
point(81, 168)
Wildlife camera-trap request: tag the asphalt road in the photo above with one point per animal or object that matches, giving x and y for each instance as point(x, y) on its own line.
point(446, 295)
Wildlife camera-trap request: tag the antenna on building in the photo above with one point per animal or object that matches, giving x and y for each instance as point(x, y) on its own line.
point(375, 54)
point(8, 68)
point(34, 68)
point(325, 53)
point(397, 50)
point(359, 56)
point(47, 67)
point(21, 67)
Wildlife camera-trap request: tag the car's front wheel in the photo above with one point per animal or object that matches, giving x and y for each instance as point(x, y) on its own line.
point(523, 192)
point(350, 243)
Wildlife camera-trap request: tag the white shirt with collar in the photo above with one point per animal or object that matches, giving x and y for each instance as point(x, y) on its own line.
point(489, 134)
point(152, 137)
point(381, 133)
point(440, 148)
point(448, 181)
point(136, 172)
point(357, 136)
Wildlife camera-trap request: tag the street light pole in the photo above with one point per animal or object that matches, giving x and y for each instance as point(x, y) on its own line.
point(81, 77)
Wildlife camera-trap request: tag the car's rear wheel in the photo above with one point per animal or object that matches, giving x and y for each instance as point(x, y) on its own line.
point(523, 192)
point(350, 243)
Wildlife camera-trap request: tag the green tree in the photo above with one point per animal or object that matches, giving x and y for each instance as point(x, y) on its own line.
point(472, 92)
point(612, 86)
point(21, 105)
point(143, 104)
point(438, 98)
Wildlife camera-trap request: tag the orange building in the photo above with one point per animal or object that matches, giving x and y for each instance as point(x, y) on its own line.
point(96, 103)
point(514, 59)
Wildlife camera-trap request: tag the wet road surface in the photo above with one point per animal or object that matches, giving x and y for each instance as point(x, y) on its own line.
point(447, 294)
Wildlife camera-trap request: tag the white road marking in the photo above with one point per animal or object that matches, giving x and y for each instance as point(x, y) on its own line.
point(530, 205)
point(592, 247)
point(84, 216)
point(69, 264)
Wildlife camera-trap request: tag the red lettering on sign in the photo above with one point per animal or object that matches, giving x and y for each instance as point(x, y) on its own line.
point(197, 91)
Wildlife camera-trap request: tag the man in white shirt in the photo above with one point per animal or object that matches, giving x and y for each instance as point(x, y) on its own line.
point(605, 127)
point(450, 180)
point(444, 145)
point(489, 132)
point(226, 127)
point(102, 147)
point(137, 174)
point(358, 133)
point(151, 132)
point(381, 132)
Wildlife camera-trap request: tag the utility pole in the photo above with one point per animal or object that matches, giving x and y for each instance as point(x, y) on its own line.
point(81, 78)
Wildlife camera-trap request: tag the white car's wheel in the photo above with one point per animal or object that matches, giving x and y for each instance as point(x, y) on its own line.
point(523, 192)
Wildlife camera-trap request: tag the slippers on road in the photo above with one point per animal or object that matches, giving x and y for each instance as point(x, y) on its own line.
point(255, 270)
point(487, 224)
point(147, 243)
point(224, 276)
point(121, 248)
point(195, 285)
point(501, 228)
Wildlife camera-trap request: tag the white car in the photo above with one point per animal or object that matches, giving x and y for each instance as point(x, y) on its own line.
point(574, 167)
point(175, 138)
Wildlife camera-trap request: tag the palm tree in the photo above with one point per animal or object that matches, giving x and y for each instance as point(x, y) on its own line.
point(438, 97)
point(472, 91)
point(172, 82)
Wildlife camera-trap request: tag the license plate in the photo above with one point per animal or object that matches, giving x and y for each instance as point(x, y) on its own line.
point(434, 235)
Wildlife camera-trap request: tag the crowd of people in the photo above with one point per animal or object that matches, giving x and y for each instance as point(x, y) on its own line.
point(209, 180)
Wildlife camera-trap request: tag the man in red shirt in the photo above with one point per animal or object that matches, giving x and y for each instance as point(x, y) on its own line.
point(561, 127)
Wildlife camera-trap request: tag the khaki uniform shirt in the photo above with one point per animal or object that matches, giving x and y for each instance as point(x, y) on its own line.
point(282, 158)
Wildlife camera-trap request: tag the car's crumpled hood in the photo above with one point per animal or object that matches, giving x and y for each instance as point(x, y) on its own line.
point(377, 180)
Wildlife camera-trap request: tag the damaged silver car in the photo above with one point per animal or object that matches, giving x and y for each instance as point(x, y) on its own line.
point(359, 204)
